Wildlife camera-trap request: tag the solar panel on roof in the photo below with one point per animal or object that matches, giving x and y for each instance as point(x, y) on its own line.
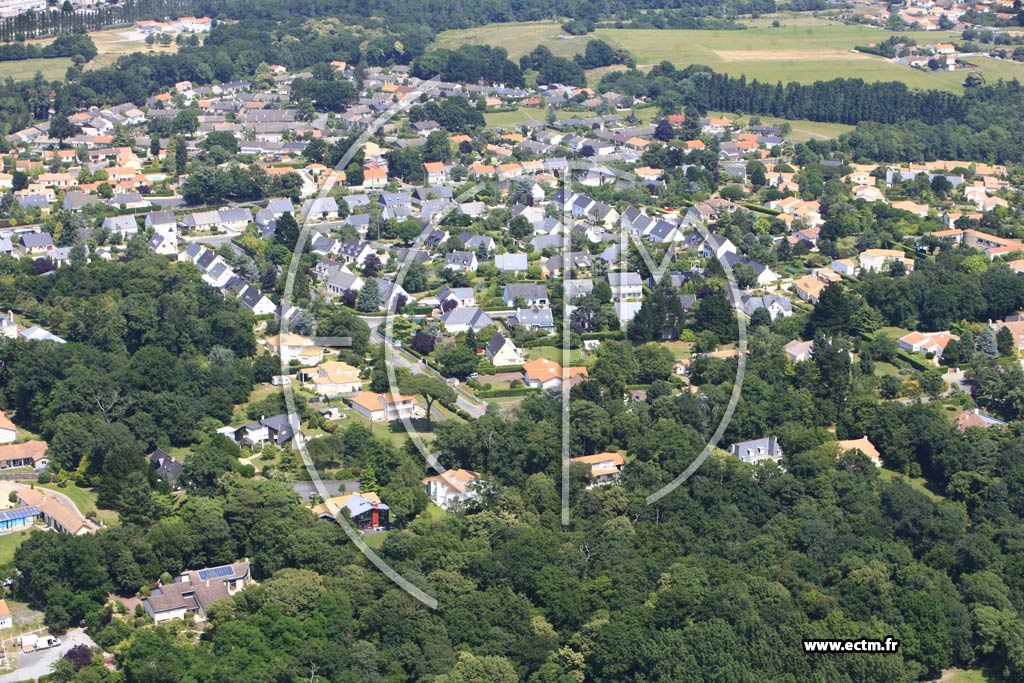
point(215, 572)
point(20, 513)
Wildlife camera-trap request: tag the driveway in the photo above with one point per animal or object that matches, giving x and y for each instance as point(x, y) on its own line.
point(333, 486)
point(36, 664)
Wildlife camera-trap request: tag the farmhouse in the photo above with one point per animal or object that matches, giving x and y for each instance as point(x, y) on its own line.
point(28, 454)
point(56, 514)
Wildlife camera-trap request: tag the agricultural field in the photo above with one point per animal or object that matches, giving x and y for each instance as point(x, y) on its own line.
point(802, 48)
point(110, 45)
point(800, 130)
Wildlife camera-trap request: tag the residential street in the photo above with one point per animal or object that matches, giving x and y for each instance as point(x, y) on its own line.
point(35, 664)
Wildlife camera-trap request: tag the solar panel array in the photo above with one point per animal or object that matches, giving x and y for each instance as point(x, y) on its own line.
point(20, 513)
point(216, 572)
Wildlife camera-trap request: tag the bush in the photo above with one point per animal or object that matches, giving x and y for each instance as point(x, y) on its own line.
point(44, 477)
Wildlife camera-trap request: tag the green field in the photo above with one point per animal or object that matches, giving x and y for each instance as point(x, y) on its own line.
point(803, 48)
point(8, 544)
point(554, 353)
point(966, 676)
point(26, 69)
point(801, 130)
point(84, 499)
point(919, 484)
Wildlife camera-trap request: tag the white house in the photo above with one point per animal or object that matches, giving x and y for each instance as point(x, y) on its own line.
point(452, 487)
point(604, 467)
point(384, 407)
point(8, 432)
point(502, 351)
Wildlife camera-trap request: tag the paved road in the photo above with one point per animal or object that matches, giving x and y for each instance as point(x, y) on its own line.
point(463, 399)
point(35, 664)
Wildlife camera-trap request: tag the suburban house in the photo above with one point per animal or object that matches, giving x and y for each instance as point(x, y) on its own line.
point(773, 303)
point(758, 450)
point(461, 296)
point(384, 407)
point(878, 260)
point(55, 513)
point(6, 621)
point(626, 286)
point(436, 172)
point(167, 468)
point(799, 351)
point(863, 445)
point(276, 429)
point(547, 374)
point(501, 351)
point(28, 454)
point(533, 318)
point(604, 467)
point(927, 342)
point(511, 263)
point(464, 261)
point(293, 347)
point(452, 487)
point(531, 294)
point(8, 432)
point(809, 288)
point(333, 378)
point(365, 509)
point(195, 590)
point(991, 245)
point(975, 418)
point(463, 319)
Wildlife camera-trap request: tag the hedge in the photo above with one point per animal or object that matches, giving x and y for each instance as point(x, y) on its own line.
point(504, 393)
point(488, 369)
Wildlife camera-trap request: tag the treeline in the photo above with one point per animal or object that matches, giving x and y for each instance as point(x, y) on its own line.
point(837, 101)
point(469, 64)
point(29, 25)
point(64, 46)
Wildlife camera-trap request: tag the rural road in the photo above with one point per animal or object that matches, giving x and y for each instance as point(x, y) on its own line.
point(35, 664)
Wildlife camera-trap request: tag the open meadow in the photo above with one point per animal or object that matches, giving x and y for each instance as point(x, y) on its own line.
point(802, 48)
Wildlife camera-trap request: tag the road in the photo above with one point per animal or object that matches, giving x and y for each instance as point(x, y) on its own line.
point(36, 664)
point(463, 399)
point(306, 489)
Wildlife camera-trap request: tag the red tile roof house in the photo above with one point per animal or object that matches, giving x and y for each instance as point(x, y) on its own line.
point(604, 467)
point(194, 591)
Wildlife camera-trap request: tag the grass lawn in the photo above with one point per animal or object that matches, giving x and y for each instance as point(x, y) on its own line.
point(554, 353)
point(433, 513)
point(804, 49)
point(965, 676)
point(85, 499)
point(883, 369)
point(8, 544)
point(802, 130)
point(376, 540)
point(919, 484)
point(679, 349)
point(25, 69)
point(239, 418)
point(511, 119)
point(894, 332)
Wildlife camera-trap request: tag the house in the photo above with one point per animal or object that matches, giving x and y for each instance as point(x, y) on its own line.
point(809, 288)
point(56, 514)
point(844, 266)
point(534, 318)
point(625, 286)
point(453, 487)
point(465, 318)
point(460, 296)
point(125, 226)
point(863, 445)
point(37, 243)
point(511, 263)
point(927, 342)
point(436, 172)
point(879, 260)
point(333, 378)
point(763, 275)
point(1016, 328)
point(464, 261)
point(604, 467)
point(27, 454)
point(799, 351)
point(167, 468)
point(775, 305)
point(384, 407)
point(293, 347)
point(6, 621)
point(758, 450)
point(501, 351)
point(8, 432)
point(355, 251)
point(276, 429)
point(365, 510)
point(195, 590)
point(975, 418)
point(320, 209)
point(548, 374)
point(532, 294)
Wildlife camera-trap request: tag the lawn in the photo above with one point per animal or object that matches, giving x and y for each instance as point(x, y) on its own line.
point(85, 499)
point(679, 349)
point(801, 130)
point(965, 676)
point(8, 544)
point(882, 369)
point(919, 484)
point(554, 353)
point(376, 540)
point(803, 48)
point(26, 69)
point(511, 119)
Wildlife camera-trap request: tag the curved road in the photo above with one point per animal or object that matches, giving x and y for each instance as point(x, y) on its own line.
point(463, 399)
point(33, 665)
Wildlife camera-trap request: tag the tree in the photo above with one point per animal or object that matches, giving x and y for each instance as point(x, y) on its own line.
point(415, 276)
point(975, 79)
point(431, 389)
point(833, 311)
point(519, 228)
point(438, 147)
point(286, 231)
point(180, 155)
point(61, 127)
point(664, 131)
point(368, 480)
point(369, 296)
point(456, 360)
point(714, 313)
point(1005, 342)
point(986, 343)
point(372, 266)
